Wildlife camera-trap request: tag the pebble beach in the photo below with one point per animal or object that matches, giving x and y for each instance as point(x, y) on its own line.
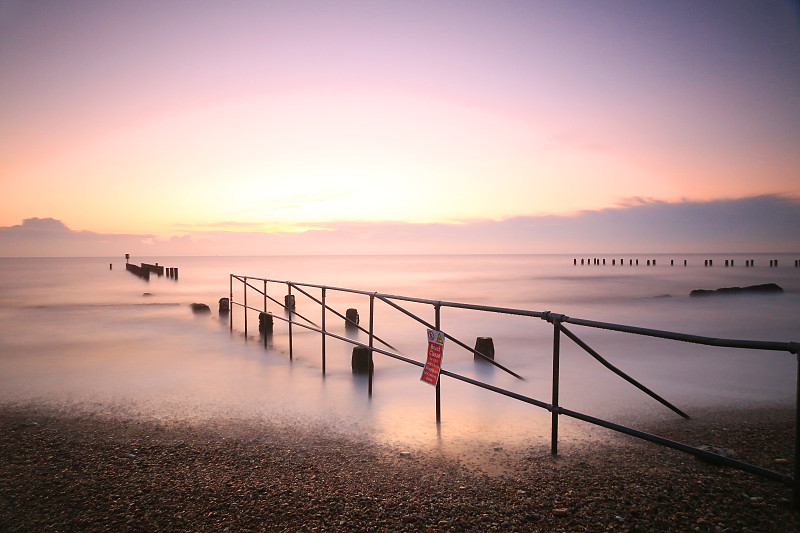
point(71, 470)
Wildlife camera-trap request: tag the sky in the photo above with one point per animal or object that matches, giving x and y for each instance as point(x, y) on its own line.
point(212, 127)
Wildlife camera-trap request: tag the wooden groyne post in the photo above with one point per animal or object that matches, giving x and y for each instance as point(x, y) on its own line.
point(155, 269)
point(138, 271)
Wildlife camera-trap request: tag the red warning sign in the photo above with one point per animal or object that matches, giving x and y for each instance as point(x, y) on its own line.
point(430, 374)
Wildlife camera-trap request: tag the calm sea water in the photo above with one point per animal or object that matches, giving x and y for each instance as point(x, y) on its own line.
point(75, 333)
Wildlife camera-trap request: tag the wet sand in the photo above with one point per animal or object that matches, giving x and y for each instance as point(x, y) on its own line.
point(68, 470)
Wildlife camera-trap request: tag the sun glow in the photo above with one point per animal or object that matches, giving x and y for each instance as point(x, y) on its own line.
point(168, 119)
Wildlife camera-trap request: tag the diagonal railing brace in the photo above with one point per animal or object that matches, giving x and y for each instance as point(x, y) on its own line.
point(619, 372)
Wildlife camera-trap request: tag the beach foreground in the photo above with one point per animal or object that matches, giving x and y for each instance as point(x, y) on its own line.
point(63, 470)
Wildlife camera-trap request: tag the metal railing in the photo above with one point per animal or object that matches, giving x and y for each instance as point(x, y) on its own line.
point(558, 321)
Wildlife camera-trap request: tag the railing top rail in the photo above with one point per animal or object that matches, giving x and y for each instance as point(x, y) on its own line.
point(791, 347)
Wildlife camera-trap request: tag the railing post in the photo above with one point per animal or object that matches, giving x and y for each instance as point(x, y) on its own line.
point(244, 287)
point(289, 285)
point(556, 355)
point(796, 484)
point(371, 337)
point(324, 333)
point(230, 311)
point(438, 324)
point(265, 312)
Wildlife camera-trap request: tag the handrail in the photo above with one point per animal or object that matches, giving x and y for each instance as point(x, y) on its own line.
point(558, 321)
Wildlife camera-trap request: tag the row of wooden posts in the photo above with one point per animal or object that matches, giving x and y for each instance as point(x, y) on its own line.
point(652, 262)
point(146, 269)
point(361, 360)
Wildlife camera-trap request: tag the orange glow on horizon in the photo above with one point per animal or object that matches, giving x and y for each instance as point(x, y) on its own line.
point(273, 118)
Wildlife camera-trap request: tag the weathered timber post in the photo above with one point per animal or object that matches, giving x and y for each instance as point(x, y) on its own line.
point(484, 345)
point(265, 323)
point(351, 318)
point(361, 360)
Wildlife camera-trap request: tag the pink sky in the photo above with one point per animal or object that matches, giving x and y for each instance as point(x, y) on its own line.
point(176, 119)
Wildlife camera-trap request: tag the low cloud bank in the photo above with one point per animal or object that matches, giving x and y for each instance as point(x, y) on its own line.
point(767, 223)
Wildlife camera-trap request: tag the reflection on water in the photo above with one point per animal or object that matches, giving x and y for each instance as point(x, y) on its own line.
point(75, 333)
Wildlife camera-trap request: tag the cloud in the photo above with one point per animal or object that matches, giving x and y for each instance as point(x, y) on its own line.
point(46, 225)
point(755, 224)
point(48, 237)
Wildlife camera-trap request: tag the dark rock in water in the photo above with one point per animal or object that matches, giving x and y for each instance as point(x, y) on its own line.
point(147, 294)
point(200, 308)
point(752, 289)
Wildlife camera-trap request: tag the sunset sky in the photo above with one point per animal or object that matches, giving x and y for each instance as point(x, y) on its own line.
point(189, 120)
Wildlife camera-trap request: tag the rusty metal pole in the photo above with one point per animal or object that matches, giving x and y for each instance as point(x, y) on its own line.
point(438, 323)
point(265, 312)
point(231, 303)
point(324, 333)
point(290, 323)
point(244, 287)
point(796, 485)
point(556, 355)
point(371, 337)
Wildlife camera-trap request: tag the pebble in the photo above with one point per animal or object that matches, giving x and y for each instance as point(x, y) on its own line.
point(77, 474)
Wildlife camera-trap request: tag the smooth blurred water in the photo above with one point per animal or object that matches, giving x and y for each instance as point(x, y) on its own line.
point(76, 333)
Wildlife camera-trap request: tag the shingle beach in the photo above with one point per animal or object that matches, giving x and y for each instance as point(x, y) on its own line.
point(74, 471)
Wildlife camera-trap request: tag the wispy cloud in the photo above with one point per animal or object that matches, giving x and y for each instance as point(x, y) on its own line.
point(256, 227)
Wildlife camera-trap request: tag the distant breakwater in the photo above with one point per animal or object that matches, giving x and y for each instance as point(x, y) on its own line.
point(729, 263)
point(145, 269)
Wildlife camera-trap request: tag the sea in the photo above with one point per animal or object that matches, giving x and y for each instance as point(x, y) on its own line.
point(85, 334)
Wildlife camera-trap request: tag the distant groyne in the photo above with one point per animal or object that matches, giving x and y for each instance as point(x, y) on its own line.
point(729, 263)
point(145, 269)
